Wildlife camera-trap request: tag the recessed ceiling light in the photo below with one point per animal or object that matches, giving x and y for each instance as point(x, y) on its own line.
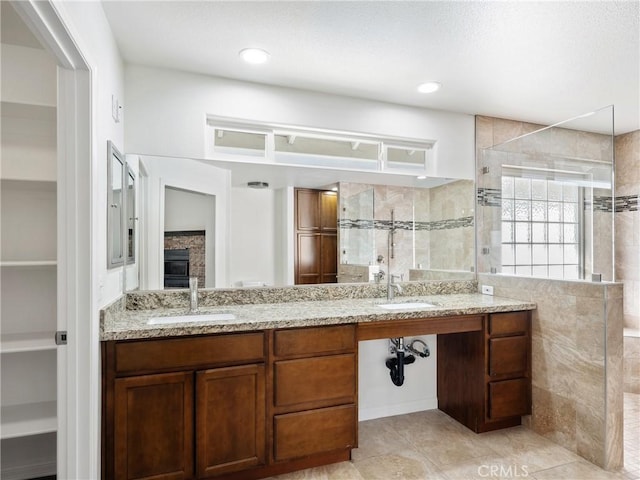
point(254, 56)
point(429, 87)
point(334, 189)
point(422, 177)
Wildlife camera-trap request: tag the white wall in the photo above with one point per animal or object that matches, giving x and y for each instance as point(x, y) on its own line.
point(89, 27)
point(186, 210)
point(191, 176)
point(252, 247)
point(379, 397)
point(167, 109)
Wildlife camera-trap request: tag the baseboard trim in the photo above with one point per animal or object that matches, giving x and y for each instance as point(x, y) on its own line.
point(365, 413)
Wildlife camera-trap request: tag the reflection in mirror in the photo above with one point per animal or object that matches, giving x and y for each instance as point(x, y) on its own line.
point(254, 231)
point(131, 216)
point(188, 224)
point(115, 216)
point(433, 237)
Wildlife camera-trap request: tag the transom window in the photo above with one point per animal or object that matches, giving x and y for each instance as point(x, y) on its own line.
point(541, 227)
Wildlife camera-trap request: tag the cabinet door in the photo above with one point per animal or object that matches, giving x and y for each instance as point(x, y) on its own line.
point(328, 211)
point(328, 258)
point(308, 260)
point(154, 426)
point(307, 211)
point(230, 419)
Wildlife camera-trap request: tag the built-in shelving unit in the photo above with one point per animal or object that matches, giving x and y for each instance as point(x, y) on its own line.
point(27, 342)
point(29, 263)
point(28, 272)
point(28, 419)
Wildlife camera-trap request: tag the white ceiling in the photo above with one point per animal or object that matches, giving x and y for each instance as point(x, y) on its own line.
point(541, 62)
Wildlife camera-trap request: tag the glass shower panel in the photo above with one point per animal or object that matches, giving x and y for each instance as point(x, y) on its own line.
point(545, 201)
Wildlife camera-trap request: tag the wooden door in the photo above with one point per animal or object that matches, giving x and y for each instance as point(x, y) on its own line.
point(154, 426)
point(316, 242)
point(230, 419)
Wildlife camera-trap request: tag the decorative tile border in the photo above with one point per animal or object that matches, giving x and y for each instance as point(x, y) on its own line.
point(623, 203)
point(600, 204)
point(492, 197)
point(447, 224)
point(489, 197)
point(627, 203)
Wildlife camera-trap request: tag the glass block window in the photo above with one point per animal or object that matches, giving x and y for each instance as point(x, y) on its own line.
point(541, 228)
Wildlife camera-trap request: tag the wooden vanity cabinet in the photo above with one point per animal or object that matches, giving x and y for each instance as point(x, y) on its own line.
point(484, 378)
point(314, 392)
point(181, 408)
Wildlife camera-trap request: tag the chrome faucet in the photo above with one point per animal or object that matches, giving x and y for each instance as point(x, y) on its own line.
point(193, 294)
point(393, 288)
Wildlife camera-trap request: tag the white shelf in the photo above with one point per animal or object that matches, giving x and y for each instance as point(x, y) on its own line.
point(28, 263)
point(27, 342)
point(28, 419)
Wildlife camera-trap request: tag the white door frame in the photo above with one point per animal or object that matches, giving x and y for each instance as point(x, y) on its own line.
point(78, 409)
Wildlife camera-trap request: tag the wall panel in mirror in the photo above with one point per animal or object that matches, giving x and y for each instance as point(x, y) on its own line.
point(115, 206)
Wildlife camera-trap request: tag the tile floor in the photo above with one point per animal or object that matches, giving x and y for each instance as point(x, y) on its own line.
point(430, 445)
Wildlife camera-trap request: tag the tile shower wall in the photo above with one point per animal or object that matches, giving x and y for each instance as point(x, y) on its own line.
point(627, 245)
point(627, 223)
point(451, 226)
point(434, 227)
point(576, 363)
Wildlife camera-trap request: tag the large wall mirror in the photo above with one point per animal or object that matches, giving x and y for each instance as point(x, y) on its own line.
point(233, 224)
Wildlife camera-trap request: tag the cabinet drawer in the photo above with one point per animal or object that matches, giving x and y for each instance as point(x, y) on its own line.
point(310, 341)
point(508, 355)
point(320, 379)
point(512, 322)
point(509, 398)
point(314, 431)
point(175, 353)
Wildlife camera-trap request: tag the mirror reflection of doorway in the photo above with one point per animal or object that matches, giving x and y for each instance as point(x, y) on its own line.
point(316, 245)
point(189, 223)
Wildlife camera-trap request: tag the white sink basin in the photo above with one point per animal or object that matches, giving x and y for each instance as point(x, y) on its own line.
point(207, 317)
point(400, 306)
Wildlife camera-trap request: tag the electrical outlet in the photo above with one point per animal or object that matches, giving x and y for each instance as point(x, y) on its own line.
point(487, 290)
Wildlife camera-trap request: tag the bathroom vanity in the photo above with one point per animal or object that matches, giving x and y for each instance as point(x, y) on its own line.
point(276, 389)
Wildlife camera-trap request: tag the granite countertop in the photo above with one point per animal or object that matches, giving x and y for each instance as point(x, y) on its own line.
point(126, 324)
